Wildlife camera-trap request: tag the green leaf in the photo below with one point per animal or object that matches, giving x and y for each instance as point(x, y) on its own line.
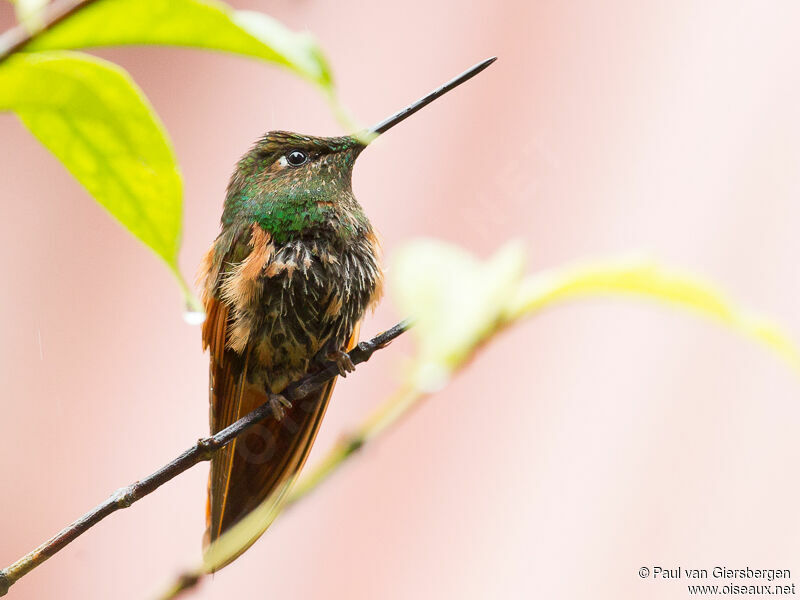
point(189, 23)
point(93, 118)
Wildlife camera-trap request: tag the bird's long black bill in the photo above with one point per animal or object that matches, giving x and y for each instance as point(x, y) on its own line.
point(411, 109)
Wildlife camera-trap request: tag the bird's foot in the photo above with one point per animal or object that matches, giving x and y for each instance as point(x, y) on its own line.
point(279, 404)
point(342, 360)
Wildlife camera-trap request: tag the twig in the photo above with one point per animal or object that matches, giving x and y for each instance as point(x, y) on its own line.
point(16, 38)
point(203, 450)
point(397, 406)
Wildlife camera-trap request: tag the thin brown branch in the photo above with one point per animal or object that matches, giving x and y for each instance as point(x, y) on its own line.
point(203, 450)
point(16, 38)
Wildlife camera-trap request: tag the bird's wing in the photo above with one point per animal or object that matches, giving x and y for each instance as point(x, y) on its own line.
point(263, 462)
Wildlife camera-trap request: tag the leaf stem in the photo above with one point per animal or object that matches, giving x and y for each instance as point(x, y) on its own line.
point(16, 38)
point(387, 414)
point(193, 303)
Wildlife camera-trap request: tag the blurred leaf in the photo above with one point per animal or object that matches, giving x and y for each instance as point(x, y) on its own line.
point(90, 114)
point(30, 12)
point(245, 532)
point(454, 300)
point(640, 276)
point(190, 23)
point(458, 301)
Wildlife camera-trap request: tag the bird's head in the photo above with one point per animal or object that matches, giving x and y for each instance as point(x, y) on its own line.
point(289, 183)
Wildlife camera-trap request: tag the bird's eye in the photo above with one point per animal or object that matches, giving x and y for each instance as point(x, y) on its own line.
point(296, 158)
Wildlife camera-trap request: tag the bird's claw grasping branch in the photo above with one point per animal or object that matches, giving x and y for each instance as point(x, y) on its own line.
point(203, 450)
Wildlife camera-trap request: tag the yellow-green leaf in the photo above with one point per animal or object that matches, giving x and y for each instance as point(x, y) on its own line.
point(454, 299)
point(190, 23)
point(459, 301)
point(643, 277)
point(90, 114)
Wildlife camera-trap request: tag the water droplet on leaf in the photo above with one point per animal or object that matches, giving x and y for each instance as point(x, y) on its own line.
point(194, 317)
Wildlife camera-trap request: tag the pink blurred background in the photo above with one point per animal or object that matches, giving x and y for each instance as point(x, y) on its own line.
point(582, 445)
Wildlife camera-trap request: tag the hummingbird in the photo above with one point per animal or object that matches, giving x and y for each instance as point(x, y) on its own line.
point(285, 286)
